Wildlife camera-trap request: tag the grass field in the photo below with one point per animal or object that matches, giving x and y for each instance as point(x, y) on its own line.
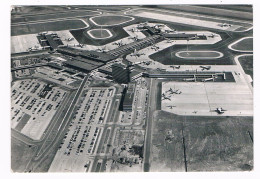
point(110, 20)
point(244, 45)
point(51, 16)
point(82, 37)
point(210, 143)
point(247, 64)
point(21, 154)
point(225, 13)
point(46, 26)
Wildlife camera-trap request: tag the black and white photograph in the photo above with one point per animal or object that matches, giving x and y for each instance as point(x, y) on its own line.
point(131, 88)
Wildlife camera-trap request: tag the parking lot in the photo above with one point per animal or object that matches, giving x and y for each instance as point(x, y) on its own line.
point(33, 104)
point(85, 129)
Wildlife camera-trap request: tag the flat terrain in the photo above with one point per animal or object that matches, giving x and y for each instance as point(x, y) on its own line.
point(110, 20)
point(234, 12)
point(204, 98)
point(82, 36)
point(51, 16)
point(22, 43)
point(21, 155)
point(247, 64)
point(245, 44)
point(33, 28)
point(210, 143)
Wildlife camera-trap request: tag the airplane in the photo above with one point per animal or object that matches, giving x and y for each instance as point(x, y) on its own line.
point(170, 106)
point(119, 44)
point(212, 35)
point(80, 45)
point(169, 31)
point(225, 25)
point(189, 79)
point(136, 30)
point(175, 67)
point(147, 63)
point(165, 97)
point(142, 24)
point(154, 47)
point(219, 110)
point(171, 91)
point(170, 41)
point(205, 67)
point(103, 50)
point(158, 26)
point(136, 54)
point(33, 48)
point(43, 33)
point(134, 38)
point(69, 39)
point(195, 112)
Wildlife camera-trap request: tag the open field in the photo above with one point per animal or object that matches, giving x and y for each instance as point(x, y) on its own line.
point(243, 8)
point(33, 28)
point(82, 36)
point(247, 64)
point(205, 143)
point(110, 20)
point(51, 16)
point(232, 12)
point(243, 45)
point(21, 155)
point(204, 98)
point(192, 19)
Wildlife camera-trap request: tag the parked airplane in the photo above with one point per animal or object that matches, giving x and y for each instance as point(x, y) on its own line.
point(80, 45)
point(158, 26)
point(154, 47)
point(170, 41)
point(103, 50)
point(135, 38)
point(219, 110)
point(205, 67)
point(136, 54)
point(170, 106)
point(171, 91)
point(175, 67)
point(169, 31)
point(225, 25)
point(212, 35)
point(165, 97)
point(119, 44)
point(142, 24)
point(136, 30)
point(69, 39)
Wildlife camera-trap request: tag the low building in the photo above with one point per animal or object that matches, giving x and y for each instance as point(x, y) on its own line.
point(120, 73)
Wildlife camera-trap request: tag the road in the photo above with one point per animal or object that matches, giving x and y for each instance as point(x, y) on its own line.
point(54, 134)
point(151, 108)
